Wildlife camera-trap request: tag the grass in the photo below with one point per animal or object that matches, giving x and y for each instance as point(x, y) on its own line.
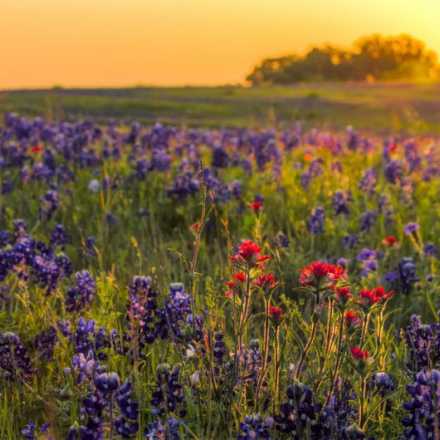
point(384, 108)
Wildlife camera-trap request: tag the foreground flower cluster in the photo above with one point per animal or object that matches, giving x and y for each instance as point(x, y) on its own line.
point(161, 283)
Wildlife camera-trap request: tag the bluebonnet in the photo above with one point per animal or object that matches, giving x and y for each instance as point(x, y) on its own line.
point(281, 240)
point(411, 228)
point(143, 310)
point(337, 416)
point(49, 202)
point(184, 185)
point(220, 157)
point(369, 261)
point(182, 324)
point(58, 236)
point(315, 169)
point(255, 427)
point(422, 420)
point(45, 342)
point(430, 250)
point(367, 220)
point(349, 241)
point(219, 349)
point(407, 276)
point(168, 430)
point(315, 223)
point(353, 139)
point(168, 395)
point(423, 344)
point(250, 362)
point(28, 432)
point(15, 363)
point(382, 383)
point(126, 424)
point(412, 156)
point(299, 413)
point(393, 171)
point(107, 383)
point(82, 294)
point(368, 181)
point(340, 202)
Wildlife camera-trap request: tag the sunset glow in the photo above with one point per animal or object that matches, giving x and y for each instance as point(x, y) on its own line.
point(176, 42)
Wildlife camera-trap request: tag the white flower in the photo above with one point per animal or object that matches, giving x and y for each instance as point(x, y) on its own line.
point(94, 185)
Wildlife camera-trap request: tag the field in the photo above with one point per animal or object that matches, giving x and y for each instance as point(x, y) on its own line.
point(250, 268)
point(381, 107)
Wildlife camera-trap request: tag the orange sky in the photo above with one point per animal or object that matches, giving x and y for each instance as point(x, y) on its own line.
point(177, 42)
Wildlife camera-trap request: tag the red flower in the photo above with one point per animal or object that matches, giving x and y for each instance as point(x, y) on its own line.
point(36, 149)
point(375, 295)
point(248, 249)
point(263, 258)
point(256, 206)
point(359, 354)
point(229, 294)
point(352, 318)
point(249, 252)
point(266, 281)
point(318, 270)
point(231, 284)
point(389, 241)
point(343, 293)
point(239, 276)
point(275, 313)
point(195, 227)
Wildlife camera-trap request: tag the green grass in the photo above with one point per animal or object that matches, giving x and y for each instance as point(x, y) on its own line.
point(407, 108)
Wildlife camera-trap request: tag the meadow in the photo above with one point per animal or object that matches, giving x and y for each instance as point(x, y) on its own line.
point(249, 278)
point(380, 107)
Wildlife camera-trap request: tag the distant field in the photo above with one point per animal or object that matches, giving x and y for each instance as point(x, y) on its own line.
point(379, 107)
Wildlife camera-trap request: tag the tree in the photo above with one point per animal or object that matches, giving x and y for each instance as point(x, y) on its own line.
point(372, 57)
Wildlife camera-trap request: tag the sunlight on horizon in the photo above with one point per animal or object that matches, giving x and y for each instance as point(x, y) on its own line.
point(177, 42)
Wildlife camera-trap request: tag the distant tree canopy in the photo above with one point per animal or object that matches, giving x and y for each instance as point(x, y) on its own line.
point(375, 57)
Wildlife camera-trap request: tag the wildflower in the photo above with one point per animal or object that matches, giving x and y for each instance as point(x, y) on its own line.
point(404, 277)
point(281, 240)
point(367, 220)
point(318, 271)
point(249, 253)
point(266, 281)
point(359, 354)
point(256, 205)
point(107, 383)
point(352, 318)
point(422, 419)
point(368, 181)
point(340, 202)
point(349, 241)
point(275, 313)
point(219, 350)
point(374, 296)
point(430, 250)
point(411, 228)
point(315, 224)
point(255, 428)
point(82, 294)
point(390, 241)
point(36, 149)
point(343, 294)
point(382, 382)
point(248, 250)
point(239, 276)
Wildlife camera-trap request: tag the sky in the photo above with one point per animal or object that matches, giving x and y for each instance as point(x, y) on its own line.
point(90, 43)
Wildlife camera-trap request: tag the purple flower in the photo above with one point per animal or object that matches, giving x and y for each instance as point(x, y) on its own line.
point(315, 223)
point(411, 228)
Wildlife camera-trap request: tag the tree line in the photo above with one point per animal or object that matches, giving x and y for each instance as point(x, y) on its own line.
point(371, 58)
